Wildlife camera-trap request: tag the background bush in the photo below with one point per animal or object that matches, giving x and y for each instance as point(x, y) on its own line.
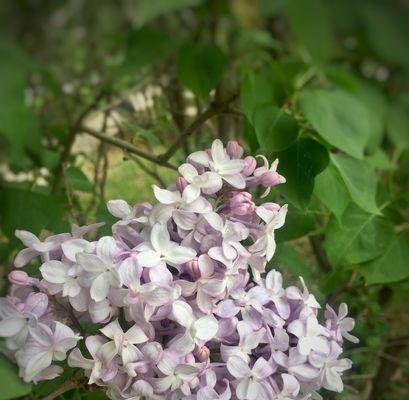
point(99, 99)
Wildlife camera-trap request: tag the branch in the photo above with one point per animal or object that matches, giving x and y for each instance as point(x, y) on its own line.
point(143, 167)
point(320, 255)
point(65, 387)
point(213, 110)
point(73, 130)
point(126, 146)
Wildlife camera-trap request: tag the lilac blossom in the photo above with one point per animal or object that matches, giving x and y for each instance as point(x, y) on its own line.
point(178, 295)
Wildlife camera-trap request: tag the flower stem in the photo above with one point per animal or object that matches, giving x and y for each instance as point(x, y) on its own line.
point(65, 387)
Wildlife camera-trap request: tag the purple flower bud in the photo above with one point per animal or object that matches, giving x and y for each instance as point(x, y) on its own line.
point(234, 149)
point(192, 268)
point(242, 204)
point(202, 354)
point(19, 278)
point(270, 178)
point(181, 183)
point(251, 165)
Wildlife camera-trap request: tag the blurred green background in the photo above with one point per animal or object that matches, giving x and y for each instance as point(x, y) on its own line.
point(320, 84)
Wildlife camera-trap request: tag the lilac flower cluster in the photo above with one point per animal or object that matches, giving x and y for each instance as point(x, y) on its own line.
point(171, 294)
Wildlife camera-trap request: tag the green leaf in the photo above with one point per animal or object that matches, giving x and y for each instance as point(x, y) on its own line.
point(392, 266)
point(255, 91)
point(360, 180)
point(287, 257)
point(200, 67)
point(329, 283)
point(311, 22)
point(147, 10)
point(275, 128)
point(397, 126)
point(358, 237)
point(387, 30)
point(340, 118)
point(380, 160)
point(18, 126)
point(299, 164)
point(330, 190)
point(77, 180)
point(12, 385)
point(297, 224)
point(32, 211)
point(146, 46)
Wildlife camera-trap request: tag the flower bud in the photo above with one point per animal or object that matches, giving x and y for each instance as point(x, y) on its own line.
point(20, 278)
point(250, 166)
point(234, 149)
point(192, 268)
point(181, 183)
point(242, 204)
point(270, 178)
point(202, 354)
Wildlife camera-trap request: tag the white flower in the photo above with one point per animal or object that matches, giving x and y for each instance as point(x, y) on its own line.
point(162, 249)
point(265, 244)
point(311, 335)
point(331, 368)
point(100, 268)
point(125, 341)
point(220, 162)
point(43, 347)
point(175, 376)
point(209, 182)
point(63, 276)
point(16, 324)
point(198, 331)
point(250, 385)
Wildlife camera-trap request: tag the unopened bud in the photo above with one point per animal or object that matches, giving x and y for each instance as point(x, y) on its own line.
point(202, 354)
point(250, 166)
point(181, 183)
point(242, 204)
point(20, 278)
point(234, 149)
point(192, 268)
point(270, 178)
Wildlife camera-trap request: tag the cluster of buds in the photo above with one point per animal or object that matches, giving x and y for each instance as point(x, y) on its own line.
point(171, 296)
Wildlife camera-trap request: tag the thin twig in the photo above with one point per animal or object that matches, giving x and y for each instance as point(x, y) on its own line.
point(70, 312)
point(65, 387)
point(124, 145)
point(213, 110)
point(72, 134)
point(150, 172)
point(320, 255)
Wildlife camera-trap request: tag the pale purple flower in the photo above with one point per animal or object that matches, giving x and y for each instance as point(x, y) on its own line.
point(311, 335)
point(102, 366)
point(161, 249)
point(251, 383)
point(340, 324)
point(208, 182)
point(220, 162)
point(44, 346)
point(197, 330)
point(18, 320)
point(331, 368)
point(265, 243)
point(100, 268)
